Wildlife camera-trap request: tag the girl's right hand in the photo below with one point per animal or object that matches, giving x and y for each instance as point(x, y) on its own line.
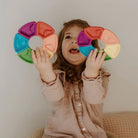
point(43, 64)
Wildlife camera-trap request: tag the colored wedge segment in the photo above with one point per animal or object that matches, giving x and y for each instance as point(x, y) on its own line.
point(112, 50)
point(51, 43)
point(94, 32)
point(20, 43)
point(44, 30)
point(83, 40)
point(86, 50)
point(50, 54)
point(109, 37)
point(28, 30)
point(26, 55)
point(107, 57)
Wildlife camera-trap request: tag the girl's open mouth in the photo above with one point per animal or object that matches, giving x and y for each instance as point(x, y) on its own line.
point(74, 51)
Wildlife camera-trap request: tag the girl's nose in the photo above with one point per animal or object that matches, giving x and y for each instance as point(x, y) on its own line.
point(74, 41)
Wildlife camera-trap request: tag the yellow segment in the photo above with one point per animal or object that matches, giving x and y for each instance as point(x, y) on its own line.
point(50, 54)
point(112, 50)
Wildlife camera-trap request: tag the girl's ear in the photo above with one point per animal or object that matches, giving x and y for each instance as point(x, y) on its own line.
point(51, 43)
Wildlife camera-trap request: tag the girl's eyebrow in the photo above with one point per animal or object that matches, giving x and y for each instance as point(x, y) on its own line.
point(67, 33)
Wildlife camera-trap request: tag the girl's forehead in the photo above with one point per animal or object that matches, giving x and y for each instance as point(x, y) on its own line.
point(72, 29)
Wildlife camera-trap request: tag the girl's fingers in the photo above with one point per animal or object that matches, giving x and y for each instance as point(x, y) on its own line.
point(90, 55)
point(46, 54)
point(34, 57)
point(42, 54)
point(99, 55)
point(94, 54)
point(38, 55)
point(103, 57)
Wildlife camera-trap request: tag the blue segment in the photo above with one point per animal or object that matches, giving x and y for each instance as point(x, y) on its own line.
point(86, 50)
point(20, 43)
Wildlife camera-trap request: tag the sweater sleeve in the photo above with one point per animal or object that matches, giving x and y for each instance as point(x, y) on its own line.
point(95, 90)
point(53, 91)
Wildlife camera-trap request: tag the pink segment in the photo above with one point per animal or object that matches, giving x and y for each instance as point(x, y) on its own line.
point(51, 43)
point(108, 37)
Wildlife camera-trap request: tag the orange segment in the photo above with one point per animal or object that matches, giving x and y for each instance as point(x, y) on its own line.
point(51, 43)
point(109, 37)
point(112, 50)
point(44, 30)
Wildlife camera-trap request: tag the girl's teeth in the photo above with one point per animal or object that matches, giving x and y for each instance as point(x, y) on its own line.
point(74, 51)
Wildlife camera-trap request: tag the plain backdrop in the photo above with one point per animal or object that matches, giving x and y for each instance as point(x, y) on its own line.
point(23, 108)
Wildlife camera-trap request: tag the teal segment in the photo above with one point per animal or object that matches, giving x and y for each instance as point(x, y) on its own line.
point(86, 50)
point(20, 43)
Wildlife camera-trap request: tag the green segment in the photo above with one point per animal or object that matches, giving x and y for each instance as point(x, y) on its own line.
point(26, 55)
point(106, 57)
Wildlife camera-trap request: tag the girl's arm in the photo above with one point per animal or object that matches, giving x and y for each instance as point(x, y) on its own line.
point(52, 88)
point(95, 82)
point(95, 89)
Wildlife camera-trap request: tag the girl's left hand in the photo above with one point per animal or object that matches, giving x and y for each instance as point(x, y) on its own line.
point(94, 63)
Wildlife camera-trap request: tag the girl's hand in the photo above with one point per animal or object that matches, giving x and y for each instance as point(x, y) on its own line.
point(43, 64)
point(93, 63)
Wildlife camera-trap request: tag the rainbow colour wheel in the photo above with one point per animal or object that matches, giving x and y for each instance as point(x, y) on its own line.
point(41, 29)
point(85, 38)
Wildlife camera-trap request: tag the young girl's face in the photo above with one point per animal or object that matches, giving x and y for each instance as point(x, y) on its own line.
point(69, 46)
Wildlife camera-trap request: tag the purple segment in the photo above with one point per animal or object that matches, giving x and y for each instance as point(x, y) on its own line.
point(83, 40)
point(28, 30)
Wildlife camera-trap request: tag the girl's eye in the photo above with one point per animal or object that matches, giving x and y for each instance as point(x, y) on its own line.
point(68, 37)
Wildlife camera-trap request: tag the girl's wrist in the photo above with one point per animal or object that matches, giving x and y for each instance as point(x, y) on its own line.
point(48, 77)
point(90, 74)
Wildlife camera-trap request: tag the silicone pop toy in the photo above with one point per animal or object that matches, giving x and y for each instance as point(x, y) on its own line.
point(85, 38)
point(45, 31)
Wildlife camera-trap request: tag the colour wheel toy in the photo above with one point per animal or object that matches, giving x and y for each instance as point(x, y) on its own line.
point(41, 29)
point(85, 38)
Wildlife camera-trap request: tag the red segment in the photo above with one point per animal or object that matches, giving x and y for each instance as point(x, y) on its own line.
point(44, 30)
point(94, 32)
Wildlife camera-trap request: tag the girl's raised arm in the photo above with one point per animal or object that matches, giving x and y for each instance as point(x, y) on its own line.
point(52, 88)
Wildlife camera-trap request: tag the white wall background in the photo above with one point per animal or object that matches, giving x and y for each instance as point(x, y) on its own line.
point(23, 109)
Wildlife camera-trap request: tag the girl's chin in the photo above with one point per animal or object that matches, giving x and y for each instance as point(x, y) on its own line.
point(75, 59)
point(76, 62)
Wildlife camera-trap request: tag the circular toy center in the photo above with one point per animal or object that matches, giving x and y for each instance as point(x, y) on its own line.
point(35, 41)
point(101, 44)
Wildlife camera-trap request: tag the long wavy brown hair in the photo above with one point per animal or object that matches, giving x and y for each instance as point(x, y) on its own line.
point(73, 72)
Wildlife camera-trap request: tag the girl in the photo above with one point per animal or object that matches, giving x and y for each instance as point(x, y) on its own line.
point(75, 85)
